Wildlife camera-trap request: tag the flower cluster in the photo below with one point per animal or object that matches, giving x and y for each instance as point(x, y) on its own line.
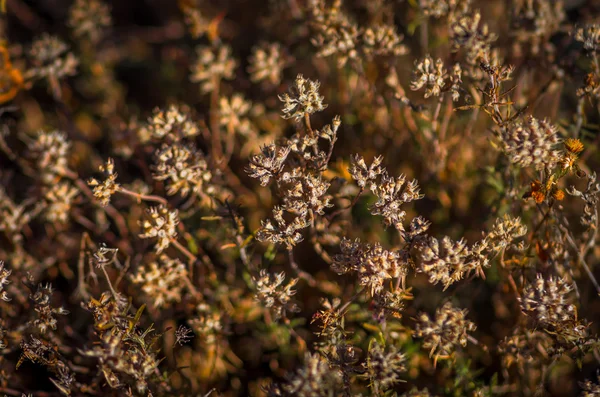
point(268, 164)
point(89, 19)
point(590, 37)
point(212, 65)
point(429, 74)
point(172, 124)
point(50, 150)
point(274, 294)
point(446, 332)
point(531, 143)
point(59, 200)
point(160, 224)
point(384, 363)
point(391, 194)
point(372, 263)
point(51, 58)
point(4, 274)
point(104, 190)
point(183, 168)
point(546, 302)
point(266, 63)
point(303, 100)
point(162, 280)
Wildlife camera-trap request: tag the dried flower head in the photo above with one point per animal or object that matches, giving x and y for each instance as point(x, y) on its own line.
point(446, 332)
point(383, 40)
point(590, 389)
point(314, 378)
point(372, 263)
point(535, 21)
point(184, 168)
point(444, 261)
point(208, 324)
point(589, 218)
point(59, 199)
point(173, 124)
point(384, 365)
point(50, 58)
point(268, 164)
point(212, 65)
point(104, 190)
point(89, 19)
point(504, 232)
point(274, 294)
point(162, 280)
point(4, 274)
point(282, 231)
point(45, 312)
point(531, 143)
point(441, 8)
point(234, 114)
point(391, 194)
point(183, 335)
point(197, 23)
point(266, 63)
point(13, 217)
point(364, 175)
point(456, 80)
point(429, 74)
point(303, 192)
point(589, 36)
point(50, 150)
point(335, 34)
point(414, 392)
point(467, 32)
point(161, 224)
point(546, 301)
point(303, 100)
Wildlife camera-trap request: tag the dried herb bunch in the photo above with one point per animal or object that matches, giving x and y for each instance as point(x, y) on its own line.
point(299, 198)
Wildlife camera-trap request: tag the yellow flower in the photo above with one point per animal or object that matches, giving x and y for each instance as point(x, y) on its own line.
point(573, 145)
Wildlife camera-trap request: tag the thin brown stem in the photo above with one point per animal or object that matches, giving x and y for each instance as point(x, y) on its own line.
point(143, 197)
point(191, 257)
